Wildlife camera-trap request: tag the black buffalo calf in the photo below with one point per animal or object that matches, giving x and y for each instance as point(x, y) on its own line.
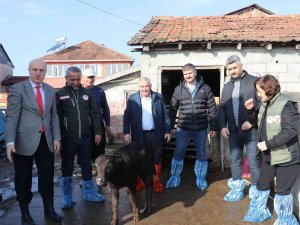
point(122, 169)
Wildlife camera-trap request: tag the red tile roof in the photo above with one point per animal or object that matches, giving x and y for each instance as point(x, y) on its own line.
point(169, 29)
point(55, 82)
point(59, 82)
point(88, 50)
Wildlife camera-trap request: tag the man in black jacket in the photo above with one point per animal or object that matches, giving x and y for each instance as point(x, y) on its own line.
point(234, 125)
point(195, 103)
point(78, 117)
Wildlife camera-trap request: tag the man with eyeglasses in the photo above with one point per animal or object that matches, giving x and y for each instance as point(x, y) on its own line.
point(78, 117)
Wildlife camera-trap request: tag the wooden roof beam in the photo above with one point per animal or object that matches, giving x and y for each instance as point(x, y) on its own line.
point(239, 46)
point(267, 46)
point(208, 45)
point(180, 44)
point(146, 48)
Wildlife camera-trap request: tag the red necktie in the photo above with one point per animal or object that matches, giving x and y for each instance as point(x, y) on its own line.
point(40, 103)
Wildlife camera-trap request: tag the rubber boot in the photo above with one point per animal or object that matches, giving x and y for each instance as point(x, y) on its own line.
point(139, 184)
point(25, 216)
point(237, 190)
point(283, 206)
point(157, 185)
point(200, 169)
point(176, 169)
point(258, 211)
point(90, 192)
point(66, 185)
point(49, 210)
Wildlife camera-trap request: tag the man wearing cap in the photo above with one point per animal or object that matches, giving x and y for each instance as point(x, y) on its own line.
point(103, 111)
point(195, 103)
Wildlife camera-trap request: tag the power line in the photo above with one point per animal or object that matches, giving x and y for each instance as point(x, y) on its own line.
point(109, 13)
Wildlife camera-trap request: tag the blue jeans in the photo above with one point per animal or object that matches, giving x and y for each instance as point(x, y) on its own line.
point(183, 138)
point(237, 141)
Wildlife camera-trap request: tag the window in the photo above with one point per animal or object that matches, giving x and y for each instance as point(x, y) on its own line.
point(114, 68)
point(93, 67)
point(58, 70)
point(127, 94)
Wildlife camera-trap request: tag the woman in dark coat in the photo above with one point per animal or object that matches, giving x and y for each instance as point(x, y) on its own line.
point(278, 143)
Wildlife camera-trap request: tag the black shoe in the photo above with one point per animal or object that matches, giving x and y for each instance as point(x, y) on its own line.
point(26, 218)
point(49, 210)
point(53, 216)
point(27, 221)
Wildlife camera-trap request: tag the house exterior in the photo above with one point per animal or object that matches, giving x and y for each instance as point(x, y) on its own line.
point(6, 70)
point(117, 88)
point(102, 60)
point(265, 42)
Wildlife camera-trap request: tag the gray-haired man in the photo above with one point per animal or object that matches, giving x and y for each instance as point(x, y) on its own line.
point(234, 125)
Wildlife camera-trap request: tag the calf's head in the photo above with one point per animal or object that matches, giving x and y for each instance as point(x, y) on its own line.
point(108, 169)
point(101, 163)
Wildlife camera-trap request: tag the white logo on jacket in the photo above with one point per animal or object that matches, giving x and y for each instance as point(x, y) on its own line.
point(274, 119)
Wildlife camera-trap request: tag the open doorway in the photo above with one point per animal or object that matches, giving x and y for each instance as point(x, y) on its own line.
point(170, 78)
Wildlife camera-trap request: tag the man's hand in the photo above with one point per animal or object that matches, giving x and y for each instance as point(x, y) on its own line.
point(225, 132)
point(212, 133)
point(97, 139)
point(9, 152)
point(57, 146)
point(168, 137)
point(173, 132)
point(127, 138)
point(246, 126)
point(249, 104)
point(262, 146)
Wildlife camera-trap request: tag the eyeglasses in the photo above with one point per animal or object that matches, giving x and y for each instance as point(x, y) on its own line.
point(73, 79)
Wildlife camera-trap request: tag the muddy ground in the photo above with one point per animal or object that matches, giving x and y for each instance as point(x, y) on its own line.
point(185, 205)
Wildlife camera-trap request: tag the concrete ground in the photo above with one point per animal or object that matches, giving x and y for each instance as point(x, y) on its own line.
point(180, 206)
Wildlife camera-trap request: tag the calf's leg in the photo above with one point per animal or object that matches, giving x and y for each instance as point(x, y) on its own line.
point(148, 197)
point(132, 198)
point(114, 204)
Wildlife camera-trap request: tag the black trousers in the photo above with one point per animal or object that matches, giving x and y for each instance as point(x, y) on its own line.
point(150, 136)
point(99, 149)
point(285, 177)
point(44, 160)
point(82, 147)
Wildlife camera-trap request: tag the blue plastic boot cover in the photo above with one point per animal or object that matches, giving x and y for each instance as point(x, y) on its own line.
point(237, 190)
point(200, 169)
point(90, 191)
point(66, 186)
point(176, 169)
point(283, 206)
point(258, 211)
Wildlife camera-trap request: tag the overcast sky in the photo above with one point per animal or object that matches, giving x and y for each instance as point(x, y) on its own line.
point(29, 28)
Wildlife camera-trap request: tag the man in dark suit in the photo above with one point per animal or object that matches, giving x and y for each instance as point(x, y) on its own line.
point(146, 119)
point(32, 133)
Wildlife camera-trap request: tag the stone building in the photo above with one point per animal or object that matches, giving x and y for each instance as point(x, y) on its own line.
point(265, 42)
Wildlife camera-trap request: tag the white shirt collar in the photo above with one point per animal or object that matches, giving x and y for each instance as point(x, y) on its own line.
point(34, 84)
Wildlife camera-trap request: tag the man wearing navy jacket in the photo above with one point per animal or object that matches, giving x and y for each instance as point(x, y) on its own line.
point(103, 111)
point(146, 118)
